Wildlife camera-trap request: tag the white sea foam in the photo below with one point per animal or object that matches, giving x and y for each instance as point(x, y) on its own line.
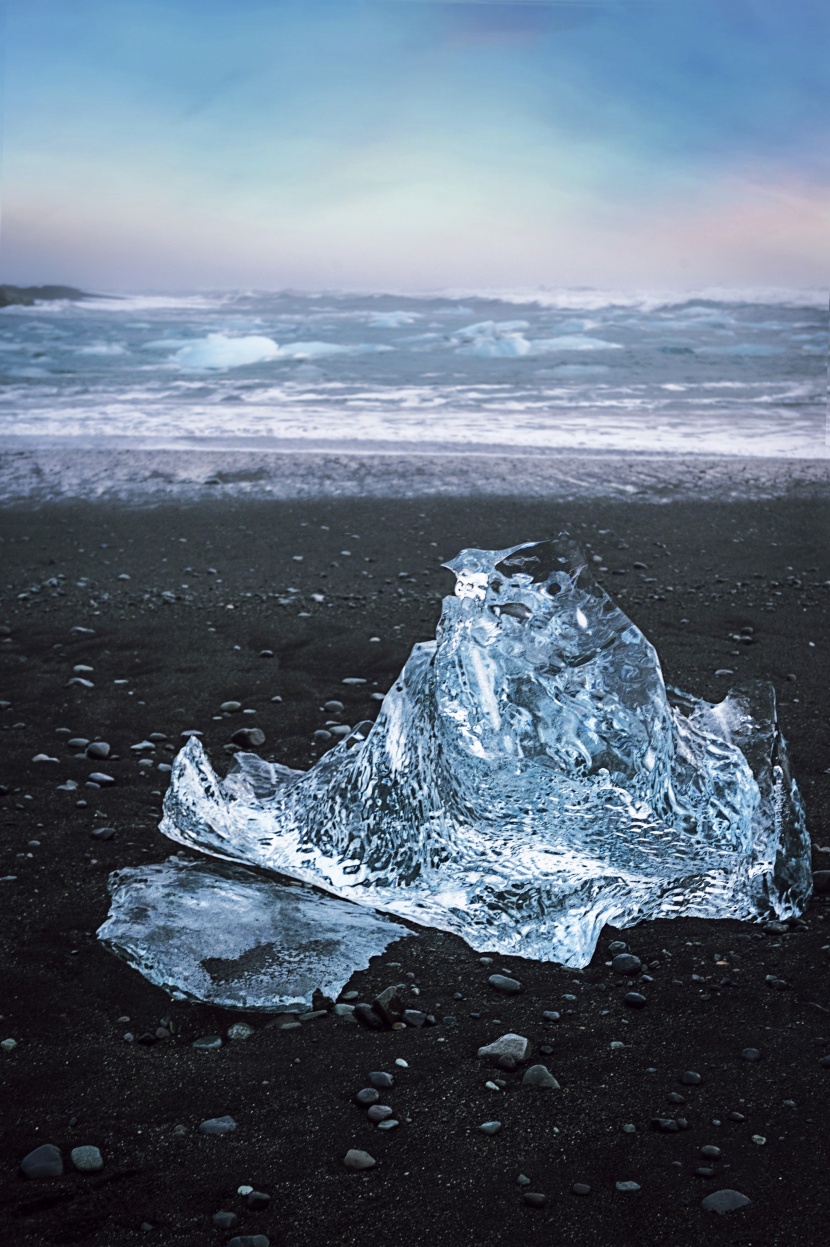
point(103, 348)
point(573, 342)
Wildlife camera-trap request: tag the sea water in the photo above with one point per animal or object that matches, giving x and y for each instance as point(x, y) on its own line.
point(718, 372)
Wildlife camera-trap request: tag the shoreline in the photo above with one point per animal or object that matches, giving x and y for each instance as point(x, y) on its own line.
point(35, 475)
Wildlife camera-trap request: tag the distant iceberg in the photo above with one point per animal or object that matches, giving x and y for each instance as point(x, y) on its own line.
point(218, 350)
point(529, 779)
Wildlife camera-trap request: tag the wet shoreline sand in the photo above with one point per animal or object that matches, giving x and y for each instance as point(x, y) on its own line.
point(211, 585)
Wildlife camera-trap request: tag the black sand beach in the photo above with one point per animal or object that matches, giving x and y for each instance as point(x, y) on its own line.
point(172, 606)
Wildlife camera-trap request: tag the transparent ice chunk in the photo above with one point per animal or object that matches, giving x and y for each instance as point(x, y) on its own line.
point(528, 779)
point(227, 936)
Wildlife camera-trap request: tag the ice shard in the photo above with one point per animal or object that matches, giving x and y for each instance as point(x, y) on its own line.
point(528, 779)
point(227, 936)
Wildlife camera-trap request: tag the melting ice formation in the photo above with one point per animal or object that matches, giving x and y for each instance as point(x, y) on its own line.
point(529, 778)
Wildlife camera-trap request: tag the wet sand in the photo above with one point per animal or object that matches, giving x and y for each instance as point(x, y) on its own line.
point(211, 585)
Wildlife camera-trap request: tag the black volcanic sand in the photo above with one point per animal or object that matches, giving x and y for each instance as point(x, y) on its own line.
point(186, 639)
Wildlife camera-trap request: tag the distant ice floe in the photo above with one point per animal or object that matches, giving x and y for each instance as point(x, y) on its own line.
point(218, 350)
point(742, 348)
point(392, 320)
point(501, 339)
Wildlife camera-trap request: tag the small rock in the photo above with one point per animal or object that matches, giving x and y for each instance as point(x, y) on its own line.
point(249, 737)
point(8, 1045)
point(534, 1199)
point(626, 963)
point(225, 1220)
point(522, 1180)
point(250, 1240)
point(628, 1186)
point(218, 1125)
point(710, 1152)
point(635, 1000)
point(258, 1201)
point(725, 1201)
point(379, 1078)
point(490, 1127)
point(691, 1079)
point(368, 1016)
point(98, 749)
point(550, 1015)
point(209, 1042)
point(580, 1188)
point(390, 1005)
point(87, 1159)
point(240, 1030)
point(103, 833)
point(369, 1095)
point(751, 1054)
point(666, 1125)
point(511, 1045)
point(379, 1112)
point(44, 1162)
point(389, 1124)
point(342, 1010)
point(356, 1159)
point(103, 781)
point(230, 707)
point(510, 987)
point(540, 1076)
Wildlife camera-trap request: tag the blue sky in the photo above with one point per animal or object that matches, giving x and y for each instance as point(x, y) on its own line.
point(412, 144)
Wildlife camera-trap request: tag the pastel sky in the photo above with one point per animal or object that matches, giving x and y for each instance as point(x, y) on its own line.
point(416, 144)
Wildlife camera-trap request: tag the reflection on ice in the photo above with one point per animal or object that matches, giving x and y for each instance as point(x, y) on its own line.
point(529, 778)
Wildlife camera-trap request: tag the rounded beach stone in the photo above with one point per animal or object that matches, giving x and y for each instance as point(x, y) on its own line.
point(534, 1199)
point(356, 1159)
point(225, 1220)
point(725, 1201)
point(507, 1045)
point(44, 1162)
point(751, 1054)
point(490, 1127)
point(379, 1112)
point(218, 1125)
point(250, 1240)
point(87, 1159)
point(626, 963)
point(539, 1076)
point(510, 987)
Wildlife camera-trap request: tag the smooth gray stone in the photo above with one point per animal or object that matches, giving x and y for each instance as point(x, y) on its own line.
point(540, 1076)
point(44, 1162)
point(225, 1220)
point(218, 1125)
point(87, 1159)
point(507, 1045)
point(502, 983)
point(628, 1186)
point(356, 1159)
point(490, 1127)
point(725, 1201)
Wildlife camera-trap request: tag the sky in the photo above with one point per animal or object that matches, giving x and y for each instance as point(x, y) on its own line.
point(415, 144)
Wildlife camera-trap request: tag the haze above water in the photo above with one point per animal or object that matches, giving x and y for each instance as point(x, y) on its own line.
point(730, 372)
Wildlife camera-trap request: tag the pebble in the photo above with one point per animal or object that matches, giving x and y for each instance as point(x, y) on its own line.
point(550, 1015)
point(389, 1124)
point(628, 1186)
point(725, 1201)
point(367, 1096)
point(258, 1200)
point(580, 1188)
point(401, 1062)
point(98, 749)
point(218, 1125)
point(250, 1240)
point(240, 1030)
point(333, 707)
point(87, 1159)
point(230, 707)
point(626, 963)
point(249, 737)
point(691, 1079)
point(618, 946)
point(535, 1199)
point(356, 1159)
point(78, 742)
point(207, 1041)
point(225, 1220)
point(710, 1152)
point(44, 1162)
point(490, 1127)
point(751, 1054)
point(104, 781)
point(635, 1000)
point(540, 1076)
point(378, 1078)
point(514, 1046)
point(523, 1180)
point(502, 983)
point(379, 1112)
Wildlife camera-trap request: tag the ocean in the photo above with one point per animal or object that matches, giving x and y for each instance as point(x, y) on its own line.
point(715, 372)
